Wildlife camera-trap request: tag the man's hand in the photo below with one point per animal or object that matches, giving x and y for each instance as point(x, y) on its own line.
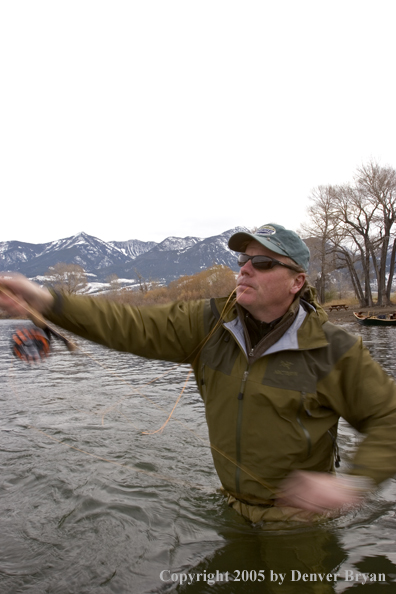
point(21, 295)
point(321, 492)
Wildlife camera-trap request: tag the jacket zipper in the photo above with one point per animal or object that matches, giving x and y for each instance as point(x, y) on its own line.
point(203, 385)
point(239, 430)
point(336, 451)
point(300, 422)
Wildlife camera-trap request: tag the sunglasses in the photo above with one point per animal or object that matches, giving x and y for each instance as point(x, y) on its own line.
point(263, 262)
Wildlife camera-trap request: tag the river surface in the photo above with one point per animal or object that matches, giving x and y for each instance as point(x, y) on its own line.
point(89, 503)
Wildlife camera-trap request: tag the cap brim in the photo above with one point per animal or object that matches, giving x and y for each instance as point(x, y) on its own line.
point(238, 242)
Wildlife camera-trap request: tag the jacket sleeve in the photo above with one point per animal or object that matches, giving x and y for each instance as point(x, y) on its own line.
point(171, 332)
point(368, 402)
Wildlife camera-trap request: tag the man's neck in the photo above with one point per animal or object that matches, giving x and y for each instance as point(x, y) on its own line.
point(268, 315)
point(261, 335)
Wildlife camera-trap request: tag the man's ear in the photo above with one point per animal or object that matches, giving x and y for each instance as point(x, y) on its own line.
point(299, 280)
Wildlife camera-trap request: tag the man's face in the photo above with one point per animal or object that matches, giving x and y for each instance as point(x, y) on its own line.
point(267, 294)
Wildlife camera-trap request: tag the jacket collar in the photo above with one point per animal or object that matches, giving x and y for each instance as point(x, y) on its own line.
point(304, 333)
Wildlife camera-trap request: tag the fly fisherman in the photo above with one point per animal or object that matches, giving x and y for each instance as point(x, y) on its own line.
point(274, 374)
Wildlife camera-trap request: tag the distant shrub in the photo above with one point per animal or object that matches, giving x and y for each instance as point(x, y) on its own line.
point(216, 281)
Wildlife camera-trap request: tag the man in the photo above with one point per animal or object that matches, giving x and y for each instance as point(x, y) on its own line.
point(274, 374)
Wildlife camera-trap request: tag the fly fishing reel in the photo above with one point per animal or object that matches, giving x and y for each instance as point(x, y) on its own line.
point(33, 345)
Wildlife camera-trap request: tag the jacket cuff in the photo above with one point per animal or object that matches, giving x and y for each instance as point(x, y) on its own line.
point(57, 306)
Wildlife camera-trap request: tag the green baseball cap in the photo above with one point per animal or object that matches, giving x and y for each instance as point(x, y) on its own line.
point(277, 239)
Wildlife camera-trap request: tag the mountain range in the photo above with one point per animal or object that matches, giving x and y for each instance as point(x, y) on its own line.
point(164, 261)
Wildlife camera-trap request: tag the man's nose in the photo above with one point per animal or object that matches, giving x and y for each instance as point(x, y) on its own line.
point(247, 268)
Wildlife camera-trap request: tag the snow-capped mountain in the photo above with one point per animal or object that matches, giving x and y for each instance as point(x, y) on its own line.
point(165, 261)
point(134, 247)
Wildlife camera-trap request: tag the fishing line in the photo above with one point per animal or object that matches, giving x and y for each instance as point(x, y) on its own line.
point(129, 466)
point(39, 320)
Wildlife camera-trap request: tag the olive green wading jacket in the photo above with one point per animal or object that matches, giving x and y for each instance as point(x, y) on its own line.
point(271, 409)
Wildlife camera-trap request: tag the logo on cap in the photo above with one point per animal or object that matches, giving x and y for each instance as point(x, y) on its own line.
point(266, 230)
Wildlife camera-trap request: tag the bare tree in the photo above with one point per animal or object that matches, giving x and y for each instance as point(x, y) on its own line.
point(347, 258)
point(357, 221)
point(69, 278)
point(320, 229)
point(143, 284)
point(356, 217)
point(378, 185)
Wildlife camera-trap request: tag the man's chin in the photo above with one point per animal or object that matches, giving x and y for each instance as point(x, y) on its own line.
point(244, 295)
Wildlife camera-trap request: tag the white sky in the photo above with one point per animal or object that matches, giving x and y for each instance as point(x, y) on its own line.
point(149, 118)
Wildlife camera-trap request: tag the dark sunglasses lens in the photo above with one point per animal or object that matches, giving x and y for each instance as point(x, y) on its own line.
point(259, 262)
point(263, 263)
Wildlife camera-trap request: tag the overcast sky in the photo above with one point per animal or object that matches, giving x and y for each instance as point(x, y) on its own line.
point(150, 118)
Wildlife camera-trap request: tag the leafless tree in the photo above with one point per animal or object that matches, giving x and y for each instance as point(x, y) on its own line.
point(356, 217)
point(143, 284)
point(378, 185)
point(320, 229)
point(354, 223)
point(69, 278)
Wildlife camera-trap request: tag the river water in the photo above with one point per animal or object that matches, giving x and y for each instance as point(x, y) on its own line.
point(89, 503)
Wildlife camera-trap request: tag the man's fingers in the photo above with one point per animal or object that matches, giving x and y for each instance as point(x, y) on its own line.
point(18, 295)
